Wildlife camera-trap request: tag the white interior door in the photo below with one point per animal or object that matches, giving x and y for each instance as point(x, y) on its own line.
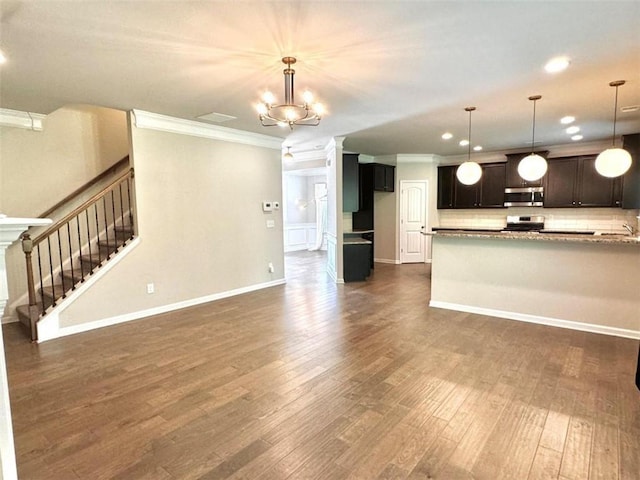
point(413, 221)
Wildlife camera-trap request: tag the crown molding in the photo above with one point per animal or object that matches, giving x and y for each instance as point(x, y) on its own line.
point(164, 123)
point(18, 119)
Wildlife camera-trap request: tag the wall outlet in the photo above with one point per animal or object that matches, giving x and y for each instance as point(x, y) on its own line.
point(271, 269)
point(151, 288)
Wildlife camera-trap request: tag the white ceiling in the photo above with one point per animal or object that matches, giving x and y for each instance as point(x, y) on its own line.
point(394, 75)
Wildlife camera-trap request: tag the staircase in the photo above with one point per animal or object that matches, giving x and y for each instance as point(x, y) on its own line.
point(62, 257)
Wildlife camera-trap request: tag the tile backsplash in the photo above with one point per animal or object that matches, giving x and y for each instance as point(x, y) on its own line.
point(598, 219)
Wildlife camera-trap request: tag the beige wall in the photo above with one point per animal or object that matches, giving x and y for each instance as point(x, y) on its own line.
point(40, 168)
point(200, 222)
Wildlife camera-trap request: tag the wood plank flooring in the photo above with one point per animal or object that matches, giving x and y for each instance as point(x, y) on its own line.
point(313, 380)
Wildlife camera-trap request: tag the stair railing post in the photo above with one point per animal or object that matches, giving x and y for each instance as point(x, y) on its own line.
point(34, 311)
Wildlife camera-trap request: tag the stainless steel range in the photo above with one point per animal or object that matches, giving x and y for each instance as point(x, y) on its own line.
point(529, 223)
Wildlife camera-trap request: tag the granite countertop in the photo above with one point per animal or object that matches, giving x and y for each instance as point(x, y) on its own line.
point(554, 237)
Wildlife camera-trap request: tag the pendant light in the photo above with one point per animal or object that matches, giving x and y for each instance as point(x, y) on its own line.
point(469, 173)
point(613, 162)
point(533, 166)
point(288, 156)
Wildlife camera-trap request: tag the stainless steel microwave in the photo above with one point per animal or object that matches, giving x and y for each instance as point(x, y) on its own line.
point(524, 197)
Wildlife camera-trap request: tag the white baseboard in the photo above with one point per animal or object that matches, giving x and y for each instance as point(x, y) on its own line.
point(51, 333)
point(386, 260)
point(553, 322)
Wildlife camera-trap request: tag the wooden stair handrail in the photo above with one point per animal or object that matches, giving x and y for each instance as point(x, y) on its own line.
point(80, 208)
point(109, 171)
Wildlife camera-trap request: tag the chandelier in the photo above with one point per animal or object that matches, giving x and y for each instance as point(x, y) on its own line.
point(289, 113)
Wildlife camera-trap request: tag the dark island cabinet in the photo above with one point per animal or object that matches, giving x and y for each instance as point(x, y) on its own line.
point(384, 177)
point(487, 193)
point(350, 182)
point(514, 180)
point(574, 182)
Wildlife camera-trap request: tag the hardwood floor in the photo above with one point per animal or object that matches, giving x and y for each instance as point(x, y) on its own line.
point(313, 380)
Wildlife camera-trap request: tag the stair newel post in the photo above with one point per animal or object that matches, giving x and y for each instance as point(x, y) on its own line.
point(34, 311)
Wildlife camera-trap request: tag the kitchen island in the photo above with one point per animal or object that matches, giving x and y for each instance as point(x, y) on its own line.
point(584, 282)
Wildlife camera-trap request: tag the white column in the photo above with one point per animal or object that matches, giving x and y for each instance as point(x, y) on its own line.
point(10, 231)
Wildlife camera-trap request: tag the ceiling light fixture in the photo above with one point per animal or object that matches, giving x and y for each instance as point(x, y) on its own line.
point(469, 172)
point(557, 64)
point(572, 130)
point(288, 156)
point(567, 120)
point(613, 162)
point(289, 113)
point(533, 167)
point(447, 136)
point(463, 143)
point(477, 148)
point(575, 138)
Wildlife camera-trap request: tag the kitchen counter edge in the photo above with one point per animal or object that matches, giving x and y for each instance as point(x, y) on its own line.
point(614, 239)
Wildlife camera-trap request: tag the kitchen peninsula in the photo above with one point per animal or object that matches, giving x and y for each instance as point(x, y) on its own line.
point(584, 282)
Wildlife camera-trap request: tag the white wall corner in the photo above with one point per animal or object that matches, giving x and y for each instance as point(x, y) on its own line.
point(164, 123)
point(18, 119)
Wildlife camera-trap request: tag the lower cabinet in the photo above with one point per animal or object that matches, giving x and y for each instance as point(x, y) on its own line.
point(356, 261)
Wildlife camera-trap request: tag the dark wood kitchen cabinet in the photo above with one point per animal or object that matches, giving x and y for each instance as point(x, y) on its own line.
point(350, 182)
point(630, 185)
point(514, 179)
point(384, 177)
point(487, 193)
point(446, 185)
point(574, 182)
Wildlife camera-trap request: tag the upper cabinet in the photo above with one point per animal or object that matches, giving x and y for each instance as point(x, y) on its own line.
point(514, 179)
point(487, 193)
point(383, 177)
point(631, 180)
point(350, 182)
point(574, 182)
point(446, 185)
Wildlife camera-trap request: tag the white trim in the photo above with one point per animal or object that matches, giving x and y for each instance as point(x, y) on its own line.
point(417, 158)
point(18, 119)
point(164, 123)
point(387, 260)
point(128, 317)
point(553, 322)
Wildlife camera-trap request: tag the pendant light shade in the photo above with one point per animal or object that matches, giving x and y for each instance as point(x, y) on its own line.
point(533, 167)
point(469, 173)
point(614, 162)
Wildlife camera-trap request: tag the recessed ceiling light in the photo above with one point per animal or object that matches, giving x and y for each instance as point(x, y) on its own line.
point(567, 120)
point(477, 148)
point(447, 136)
point(575, 138)
point(572, 130)
point(464, 143)
point(630, 108)
point(3, 59)
point(557, 64)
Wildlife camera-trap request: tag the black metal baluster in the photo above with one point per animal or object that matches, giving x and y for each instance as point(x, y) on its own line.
point(40, 274)
point(115, 233)
point(121, 211)
point(95, 209)
point(73, 275)
point(64, 288)
point(53, 289)
point(129, 204)
point(106, 225)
